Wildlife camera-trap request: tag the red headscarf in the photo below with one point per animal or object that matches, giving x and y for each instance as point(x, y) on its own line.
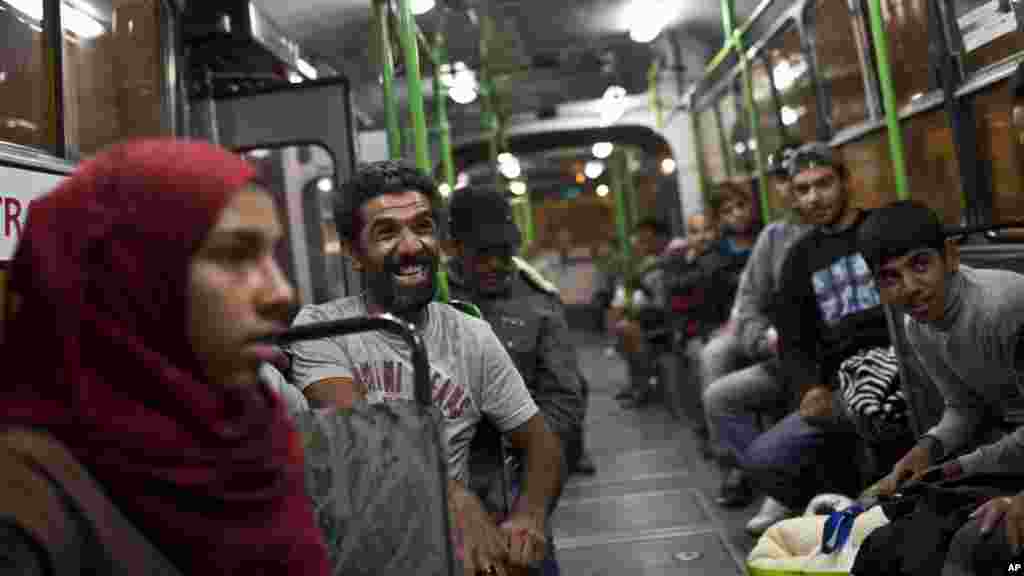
point(98, 355)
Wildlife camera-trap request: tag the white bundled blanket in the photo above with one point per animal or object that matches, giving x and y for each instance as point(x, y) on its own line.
point(793, 547)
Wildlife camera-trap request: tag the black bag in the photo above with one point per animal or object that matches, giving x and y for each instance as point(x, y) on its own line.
point(923, 520)
point(376, 473)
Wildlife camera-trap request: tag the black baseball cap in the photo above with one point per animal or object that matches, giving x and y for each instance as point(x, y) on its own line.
point(811, 155)
point(483, 218)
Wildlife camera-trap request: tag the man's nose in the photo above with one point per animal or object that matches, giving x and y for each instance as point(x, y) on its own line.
point(410, 243)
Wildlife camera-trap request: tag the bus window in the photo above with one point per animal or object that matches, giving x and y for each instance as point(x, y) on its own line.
point(907, 24)
point(792, 76)
point(767, 106)
point(714, 163)
point(989, 32)
point(734, 128)
point(112, 73)
point(838, 47)
point(933, 169)
point(24, 80)
point(872, 182)
point(999, 151)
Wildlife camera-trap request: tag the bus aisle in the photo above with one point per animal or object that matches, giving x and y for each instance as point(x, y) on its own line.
point(649, 510)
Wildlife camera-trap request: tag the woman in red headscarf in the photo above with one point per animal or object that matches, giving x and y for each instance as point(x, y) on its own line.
point(136, 437)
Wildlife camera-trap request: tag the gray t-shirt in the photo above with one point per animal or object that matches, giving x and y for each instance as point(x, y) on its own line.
point(471, 373)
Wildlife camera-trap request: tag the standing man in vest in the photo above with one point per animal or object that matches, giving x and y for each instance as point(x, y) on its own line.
point(523, 308)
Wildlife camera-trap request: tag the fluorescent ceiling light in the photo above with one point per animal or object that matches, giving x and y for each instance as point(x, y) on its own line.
point(325, 184)
point(505, 158)
point(295, 78)
point(602, 190)
point(603, 150)
point(510, 170)
point(668, 166)
point(444, 190)
point(75, 18)
point(460, 82)
point(418, 7)
point(517, 187)
point(307, 69)
point(646, 19)
point(594, 169)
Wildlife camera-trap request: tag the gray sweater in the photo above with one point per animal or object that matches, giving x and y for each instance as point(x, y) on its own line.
point(760, 281)
point(971, 356)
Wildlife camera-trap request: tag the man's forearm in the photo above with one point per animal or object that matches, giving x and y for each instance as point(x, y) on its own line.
point(544, 468)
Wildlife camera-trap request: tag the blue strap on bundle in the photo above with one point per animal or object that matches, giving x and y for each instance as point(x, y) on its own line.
point(838, 527)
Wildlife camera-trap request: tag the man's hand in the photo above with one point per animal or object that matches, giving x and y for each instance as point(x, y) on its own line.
point(484, 545)
point(912, 466)
point(817, 403)
point(526, 542)
point(1012, 509)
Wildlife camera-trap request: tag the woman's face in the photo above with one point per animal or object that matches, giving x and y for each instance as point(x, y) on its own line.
point(237, 291)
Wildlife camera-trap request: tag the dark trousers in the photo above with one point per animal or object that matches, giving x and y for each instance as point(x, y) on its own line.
point(795, 460)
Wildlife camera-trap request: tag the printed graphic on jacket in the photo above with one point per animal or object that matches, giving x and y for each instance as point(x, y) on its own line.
point(845, 288)
point(391, 379)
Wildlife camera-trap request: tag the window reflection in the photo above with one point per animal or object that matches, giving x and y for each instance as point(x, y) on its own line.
point(112, 72)
point(791, 73)
point(711, 153)
point(872, 182)
point(907, 24)
point(935, 177)
point(24, 115)
point(1000, 151)
point(989, 32)
point(767, 106)
point(839, 49)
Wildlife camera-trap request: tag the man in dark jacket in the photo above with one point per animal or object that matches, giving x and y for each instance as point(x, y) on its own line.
point(525, 312)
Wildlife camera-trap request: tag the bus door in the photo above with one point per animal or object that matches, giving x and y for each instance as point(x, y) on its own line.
point(300, 136)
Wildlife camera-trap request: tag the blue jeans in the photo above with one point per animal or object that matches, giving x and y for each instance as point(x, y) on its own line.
point(796, 460)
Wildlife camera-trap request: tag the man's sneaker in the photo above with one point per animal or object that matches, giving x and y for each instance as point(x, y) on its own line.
point(585, 465)
point(771, 512)
point(735, 491)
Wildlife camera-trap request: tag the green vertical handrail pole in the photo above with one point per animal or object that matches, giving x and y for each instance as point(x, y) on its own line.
point(629, 190)
point(698, 150)
point(528, 216)
point(892, 119)
point(441, 103)
point(410, 49)
point(735, 37)
point(618, 171)
point(391, 124)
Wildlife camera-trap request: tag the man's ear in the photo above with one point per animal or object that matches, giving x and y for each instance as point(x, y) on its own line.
point(952, 255)
point(349, 251)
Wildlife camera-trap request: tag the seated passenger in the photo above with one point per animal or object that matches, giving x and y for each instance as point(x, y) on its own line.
point(829, 312)
point(703, 293)
point(740, 367)
point(638, 307)
point(386, 220)
point(145, 444)
point(524, 311)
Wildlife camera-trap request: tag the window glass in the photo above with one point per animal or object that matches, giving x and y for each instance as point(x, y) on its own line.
point(24, 113)
point(792, 76)
point(112, 72)
point(872, 182)
point(988, 31)
point(766, 102)
point(839, 49)
point(714, 163)
point(1000, 152)
point(906, 22)
point(935, 177)
point(734, 127)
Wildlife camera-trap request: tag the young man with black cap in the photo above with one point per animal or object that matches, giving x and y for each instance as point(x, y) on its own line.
point(828, 313)
point(966, 327)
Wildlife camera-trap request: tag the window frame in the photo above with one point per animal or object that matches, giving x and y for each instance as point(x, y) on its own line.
point(59, 157)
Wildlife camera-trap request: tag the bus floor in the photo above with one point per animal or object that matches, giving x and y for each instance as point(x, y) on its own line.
point(650, 508)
